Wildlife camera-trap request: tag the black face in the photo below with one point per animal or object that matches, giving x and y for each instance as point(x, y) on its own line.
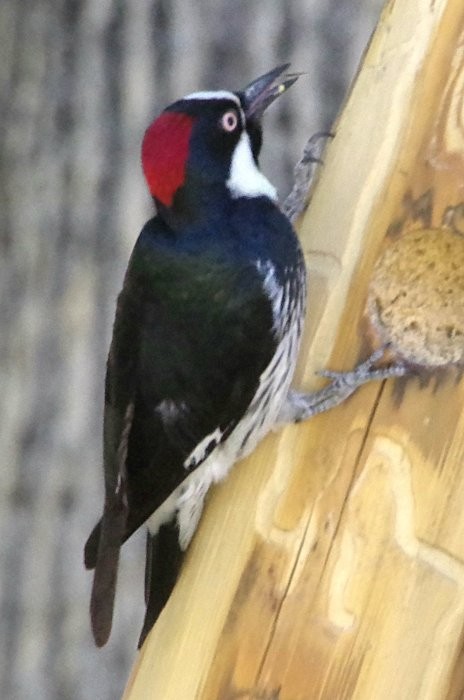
point(217, 128)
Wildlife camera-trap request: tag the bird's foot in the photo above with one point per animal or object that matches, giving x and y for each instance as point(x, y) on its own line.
point(300, 406)
point(304, 175)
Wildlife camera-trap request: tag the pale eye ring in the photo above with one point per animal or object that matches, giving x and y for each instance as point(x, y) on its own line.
point(229, 120)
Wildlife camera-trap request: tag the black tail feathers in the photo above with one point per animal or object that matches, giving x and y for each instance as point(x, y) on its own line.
point(102, 553)
point(162, 567)
point(91, 547)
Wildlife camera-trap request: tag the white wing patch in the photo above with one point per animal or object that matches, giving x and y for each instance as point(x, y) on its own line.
point(276, 293)
point(203, 449)
point(245, 179)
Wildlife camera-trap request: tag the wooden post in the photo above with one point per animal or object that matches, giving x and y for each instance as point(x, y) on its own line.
point(331, 563)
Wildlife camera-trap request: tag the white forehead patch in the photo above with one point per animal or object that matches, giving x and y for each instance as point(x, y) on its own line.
point(213, 95)
point(245, 180)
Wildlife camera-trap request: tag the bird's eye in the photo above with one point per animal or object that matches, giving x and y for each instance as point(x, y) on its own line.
point(229, 121)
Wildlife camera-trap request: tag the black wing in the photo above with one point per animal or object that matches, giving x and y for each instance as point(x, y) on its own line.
point(191, 338)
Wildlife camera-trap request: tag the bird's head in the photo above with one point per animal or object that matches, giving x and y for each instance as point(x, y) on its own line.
point(208, 143)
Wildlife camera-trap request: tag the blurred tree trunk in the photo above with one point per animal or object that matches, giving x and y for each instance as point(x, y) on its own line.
point(79, 83)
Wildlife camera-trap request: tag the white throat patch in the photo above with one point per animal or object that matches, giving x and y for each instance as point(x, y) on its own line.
point(245, 180)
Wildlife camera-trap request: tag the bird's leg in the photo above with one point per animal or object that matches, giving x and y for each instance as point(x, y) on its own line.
point(300, 406)
point(304, 175)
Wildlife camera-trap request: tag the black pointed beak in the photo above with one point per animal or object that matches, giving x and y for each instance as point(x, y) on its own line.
point(259, 94)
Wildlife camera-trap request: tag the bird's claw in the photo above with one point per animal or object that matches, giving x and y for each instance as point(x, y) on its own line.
point(304, 175)
point(365, 371)
point(302, 406)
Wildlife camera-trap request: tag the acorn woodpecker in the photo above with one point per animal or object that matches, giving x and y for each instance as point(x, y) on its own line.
point(205, 337)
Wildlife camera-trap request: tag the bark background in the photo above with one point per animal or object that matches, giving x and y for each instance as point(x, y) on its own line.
point(79, 82)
